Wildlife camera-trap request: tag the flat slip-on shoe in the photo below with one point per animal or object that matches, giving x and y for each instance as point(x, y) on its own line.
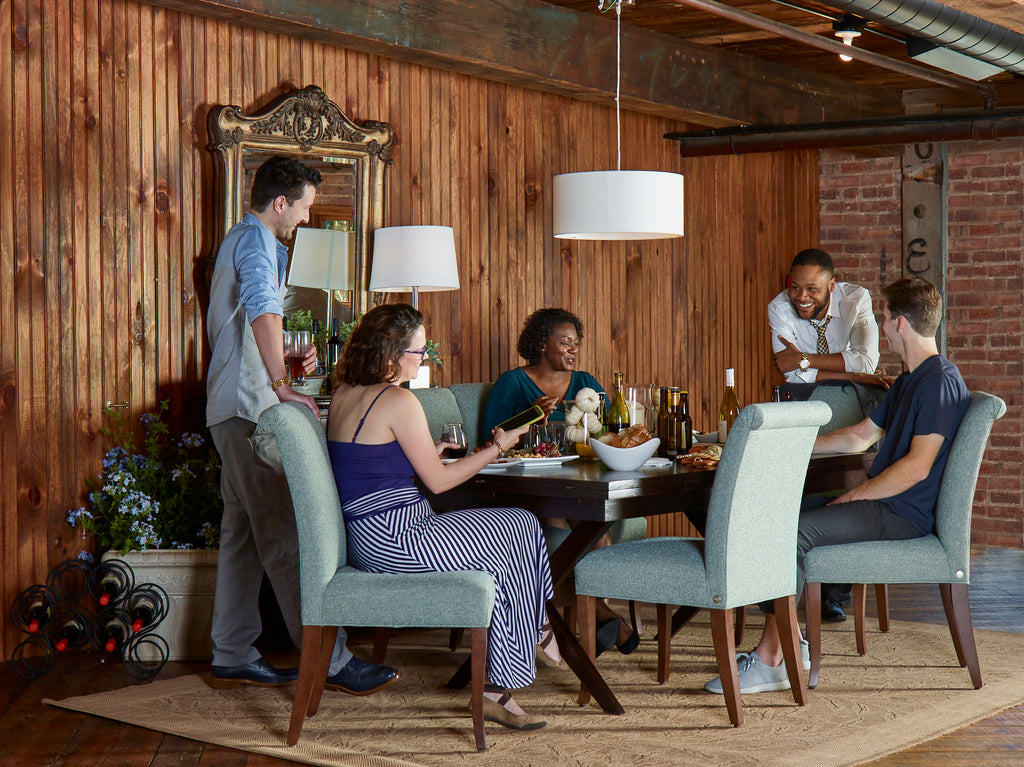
point(630, 644)
point(259, 673)
point(496, 712)
point(542, 655)
point(607, 635)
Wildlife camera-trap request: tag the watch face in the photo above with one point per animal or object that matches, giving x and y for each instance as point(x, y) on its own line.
point(805, 364)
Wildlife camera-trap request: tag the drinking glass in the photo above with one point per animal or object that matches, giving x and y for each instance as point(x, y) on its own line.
point(638, 403)
point(547, 439)
point(295, 344)
point(454, 433)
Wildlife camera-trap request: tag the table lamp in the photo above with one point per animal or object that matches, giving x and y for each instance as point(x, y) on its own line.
point(414, 258)
point(322, 258)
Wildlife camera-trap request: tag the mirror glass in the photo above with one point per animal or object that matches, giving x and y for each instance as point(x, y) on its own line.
point(351, 159)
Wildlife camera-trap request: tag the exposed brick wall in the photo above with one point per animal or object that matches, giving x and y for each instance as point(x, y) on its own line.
point(860, 226)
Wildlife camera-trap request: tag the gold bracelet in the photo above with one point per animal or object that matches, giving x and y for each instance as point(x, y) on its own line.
point(498, 445)
point(286, 381)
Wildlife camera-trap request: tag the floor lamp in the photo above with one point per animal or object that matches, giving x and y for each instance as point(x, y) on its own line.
point(322, 258)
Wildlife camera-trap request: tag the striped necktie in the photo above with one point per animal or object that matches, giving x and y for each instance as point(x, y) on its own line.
point(822, 343)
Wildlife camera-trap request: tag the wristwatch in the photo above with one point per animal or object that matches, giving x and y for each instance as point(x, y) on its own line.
point(805, 364)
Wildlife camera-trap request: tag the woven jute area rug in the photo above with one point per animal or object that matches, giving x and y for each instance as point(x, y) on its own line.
point(907, 689)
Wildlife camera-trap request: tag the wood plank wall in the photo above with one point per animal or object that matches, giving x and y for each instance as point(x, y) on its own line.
point(107, 214)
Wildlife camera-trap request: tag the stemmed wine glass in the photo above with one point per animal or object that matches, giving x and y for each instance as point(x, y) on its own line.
point(456, 435)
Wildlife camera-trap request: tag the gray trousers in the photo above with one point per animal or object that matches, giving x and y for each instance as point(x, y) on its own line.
point(257, 534)
point(844, 523)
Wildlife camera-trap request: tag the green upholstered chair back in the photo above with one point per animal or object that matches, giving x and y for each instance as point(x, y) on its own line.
point(956, 493)
point(750, 542)
point(844, 402)
point(440, 406)
point(322, 545)
point(472, 400)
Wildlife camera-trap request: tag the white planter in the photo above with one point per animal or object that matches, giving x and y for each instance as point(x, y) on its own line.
point(189, 576)
point(422, 379)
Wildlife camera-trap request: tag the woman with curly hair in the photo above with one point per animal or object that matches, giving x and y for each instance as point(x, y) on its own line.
point(550, 342)
point(377, 439)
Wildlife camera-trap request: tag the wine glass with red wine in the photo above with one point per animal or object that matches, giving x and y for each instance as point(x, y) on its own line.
point(456, 435)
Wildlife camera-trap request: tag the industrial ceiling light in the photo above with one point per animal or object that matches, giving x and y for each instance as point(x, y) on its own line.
point(618, 204)
point(846, 29)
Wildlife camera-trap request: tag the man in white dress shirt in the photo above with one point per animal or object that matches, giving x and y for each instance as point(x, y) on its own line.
point(822, 329)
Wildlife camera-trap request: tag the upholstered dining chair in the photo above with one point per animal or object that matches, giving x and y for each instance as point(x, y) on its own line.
point(335, 594)
point(943, 557)
point(748, 554)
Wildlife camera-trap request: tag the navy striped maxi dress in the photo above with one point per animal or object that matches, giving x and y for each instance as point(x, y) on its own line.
point(392, 529)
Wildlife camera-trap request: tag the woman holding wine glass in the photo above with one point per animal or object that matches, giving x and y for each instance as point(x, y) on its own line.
point(377, 439)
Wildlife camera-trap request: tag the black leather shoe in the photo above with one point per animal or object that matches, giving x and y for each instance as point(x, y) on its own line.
point(607, 636)
point(360, 677)
point(259, 673)
point(831, 612)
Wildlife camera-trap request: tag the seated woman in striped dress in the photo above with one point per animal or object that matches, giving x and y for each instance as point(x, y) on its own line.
point(377, 438)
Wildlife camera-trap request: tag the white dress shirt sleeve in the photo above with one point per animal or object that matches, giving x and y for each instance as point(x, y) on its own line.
point(862, 354)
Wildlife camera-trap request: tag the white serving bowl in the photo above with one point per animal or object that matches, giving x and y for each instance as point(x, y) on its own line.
point(625, 458)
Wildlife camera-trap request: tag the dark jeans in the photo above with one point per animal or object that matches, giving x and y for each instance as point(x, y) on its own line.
point(845, 523)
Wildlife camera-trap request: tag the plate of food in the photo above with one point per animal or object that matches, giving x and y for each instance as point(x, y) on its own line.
point(500, 465)
point(534, 462)
point(703, 455)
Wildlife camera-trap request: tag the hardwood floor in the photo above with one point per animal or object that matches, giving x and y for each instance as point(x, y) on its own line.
point(33, 734)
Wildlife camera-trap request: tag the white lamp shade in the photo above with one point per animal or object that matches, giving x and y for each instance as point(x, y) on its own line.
point(322, 258)
point(407, 257)
point(618, 205)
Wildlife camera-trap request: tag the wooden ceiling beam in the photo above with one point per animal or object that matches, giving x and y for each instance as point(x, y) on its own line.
point(538, 45)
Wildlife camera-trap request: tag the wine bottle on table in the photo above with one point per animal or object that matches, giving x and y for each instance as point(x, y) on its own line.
point(730, 407)
point(684, 416)
point(674, 429)
point(662, 423)
point(618, 413)
point(318, 342)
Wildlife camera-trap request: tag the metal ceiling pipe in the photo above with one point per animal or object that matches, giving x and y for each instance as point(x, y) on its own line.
point(944, 26)
point(972, 126)
point(834, 46)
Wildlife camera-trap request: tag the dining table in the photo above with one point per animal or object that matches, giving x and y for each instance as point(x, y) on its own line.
point(593, 497)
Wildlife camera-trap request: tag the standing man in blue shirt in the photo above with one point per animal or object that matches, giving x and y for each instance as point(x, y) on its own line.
point(246, 376)
point(919, 418)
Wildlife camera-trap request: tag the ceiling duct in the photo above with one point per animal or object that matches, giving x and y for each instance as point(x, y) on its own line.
point(944, 26)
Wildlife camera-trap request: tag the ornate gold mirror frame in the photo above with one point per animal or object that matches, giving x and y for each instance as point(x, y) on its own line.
point(352, 159)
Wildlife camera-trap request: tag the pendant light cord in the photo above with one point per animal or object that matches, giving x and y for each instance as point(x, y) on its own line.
point(618, 82)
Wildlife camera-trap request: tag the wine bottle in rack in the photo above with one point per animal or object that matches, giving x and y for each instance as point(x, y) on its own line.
point(110, 582)
point(32, 609)
point(110, 631)
point(69, 631)
point(730, 407)
point(146, 607)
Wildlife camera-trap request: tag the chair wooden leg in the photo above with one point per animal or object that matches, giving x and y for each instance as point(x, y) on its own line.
point(958, 616)
point(311, 639)
point(478, 643)
point(664, 641)
point(859, 604)
point(741, 623)
point(882, 605)
point(381, 637)
point(634, 617)
point(587, 614)
point(812, 605)
point(454, 639)
point(789, 636)
point(725, 653)
point(323, 664)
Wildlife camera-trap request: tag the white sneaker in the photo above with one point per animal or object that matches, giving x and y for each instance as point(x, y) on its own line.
point(754, 676)
point(805, 655)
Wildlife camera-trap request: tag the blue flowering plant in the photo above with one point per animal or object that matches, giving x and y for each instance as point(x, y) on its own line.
point(166, 495)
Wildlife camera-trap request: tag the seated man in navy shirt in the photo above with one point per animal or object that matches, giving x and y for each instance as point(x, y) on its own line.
point(918, 417)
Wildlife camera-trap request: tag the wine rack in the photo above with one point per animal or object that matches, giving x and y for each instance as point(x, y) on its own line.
point(58, 618)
